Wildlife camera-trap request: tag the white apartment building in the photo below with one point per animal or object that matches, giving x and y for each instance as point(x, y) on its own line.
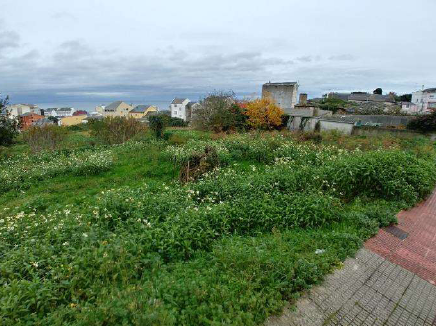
point(424, 100)
point(178, 108)
point(16, 110)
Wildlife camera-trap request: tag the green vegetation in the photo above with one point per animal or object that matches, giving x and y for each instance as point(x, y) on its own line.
point(8, 127)
point(424, 123)
point(126, 243)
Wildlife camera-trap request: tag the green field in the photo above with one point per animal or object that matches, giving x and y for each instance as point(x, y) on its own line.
point(107, 235)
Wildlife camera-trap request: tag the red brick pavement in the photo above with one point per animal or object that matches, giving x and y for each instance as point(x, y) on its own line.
point(417, 253)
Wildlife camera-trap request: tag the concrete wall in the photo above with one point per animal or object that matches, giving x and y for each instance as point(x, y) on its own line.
point(343, 127)
point(378, 131)
point(285, 95)
point(384, 120)
point(309, 124)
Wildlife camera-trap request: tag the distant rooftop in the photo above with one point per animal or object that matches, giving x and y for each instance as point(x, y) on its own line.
point(430, 90)
point(178, 100)
point(282, 84)
point(140, 108)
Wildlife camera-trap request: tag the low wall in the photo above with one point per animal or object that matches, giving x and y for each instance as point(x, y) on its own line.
point(384, 120)
point(378, 131)
point(343, 127)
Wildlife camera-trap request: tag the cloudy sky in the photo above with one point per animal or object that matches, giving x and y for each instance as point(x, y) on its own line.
point(86, 52)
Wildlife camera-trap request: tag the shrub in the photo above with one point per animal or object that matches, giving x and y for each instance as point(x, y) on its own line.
point(263, 114)
point(157, 125)
point(424, 123)
point(9, 128)
point(217, 112)
point(47, 137)
point(115, 130)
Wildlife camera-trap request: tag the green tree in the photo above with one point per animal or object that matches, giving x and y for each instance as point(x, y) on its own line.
point(378, 91)
point(157, 125)
point(218, 112)
point(9, 127)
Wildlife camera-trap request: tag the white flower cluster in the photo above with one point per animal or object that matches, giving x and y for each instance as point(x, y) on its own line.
point(27, 169)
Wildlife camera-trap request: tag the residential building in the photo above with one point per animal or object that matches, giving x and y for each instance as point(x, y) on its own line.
point(409, 108)
point(50, 112)
point(360, 97)
point(80, 112)
point(28, 118)
point(367, 97)
point(141, 111)
point(178, 108)
point(43, 122)
point(190, 110)
point(73, 120)
point(100, 109)
point(117, 109)
point(16, 110)
point(284, 94)
point(65, 112)
point(92, 117)
point(425, 100)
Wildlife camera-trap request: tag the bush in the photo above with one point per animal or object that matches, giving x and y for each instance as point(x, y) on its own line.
point(9, 128)
point(157, 125)
point(47, 137)
point(115, 130)
point(424, 123)
point(263, 114)
point(218, 112)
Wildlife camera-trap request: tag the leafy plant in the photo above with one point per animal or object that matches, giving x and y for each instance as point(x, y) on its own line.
point(157, 125)
point(424, 123)
point(9, 127)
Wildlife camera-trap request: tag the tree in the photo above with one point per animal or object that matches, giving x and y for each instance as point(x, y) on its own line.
point(157, 125)
point(406, 98)
point(424, 123)
point(9, 127)
point(54, 119)
point(378, 91)
point(263, 114)
point(218, 112)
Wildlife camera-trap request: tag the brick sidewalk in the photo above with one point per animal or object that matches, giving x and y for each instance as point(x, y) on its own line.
point(389, 282)
point(416, 252)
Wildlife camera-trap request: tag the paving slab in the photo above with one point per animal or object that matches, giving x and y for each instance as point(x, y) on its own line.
point(391, 281)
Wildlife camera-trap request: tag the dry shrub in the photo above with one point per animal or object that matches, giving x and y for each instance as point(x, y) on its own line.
point(48, 137)
point(310, 136)
point(199, 164)
point(116, 130)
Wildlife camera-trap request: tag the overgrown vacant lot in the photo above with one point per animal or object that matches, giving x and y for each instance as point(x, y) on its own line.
point(107, 235)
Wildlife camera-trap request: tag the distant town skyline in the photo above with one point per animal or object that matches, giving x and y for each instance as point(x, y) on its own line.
point(93, 52)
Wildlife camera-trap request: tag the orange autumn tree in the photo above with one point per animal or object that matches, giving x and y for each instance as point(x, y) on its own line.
point(263, 113)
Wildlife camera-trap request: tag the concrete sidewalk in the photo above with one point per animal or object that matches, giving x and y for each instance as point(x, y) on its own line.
point(389, 282)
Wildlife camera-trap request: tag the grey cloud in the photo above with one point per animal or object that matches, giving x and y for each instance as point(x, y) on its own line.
point(342, 57)
point(9, 39)
point(306, 58)
point(63, 15)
